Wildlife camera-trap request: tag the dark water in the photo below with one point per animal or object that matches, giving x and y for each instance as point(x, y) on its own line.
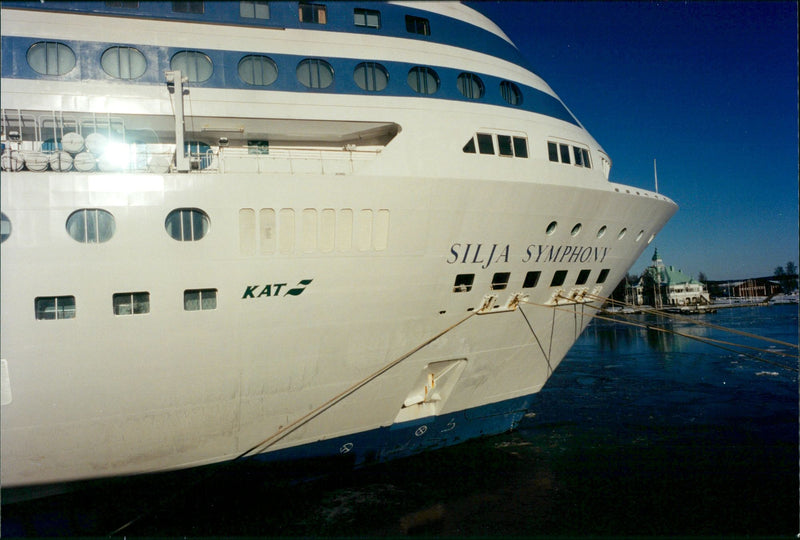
point(637, 433)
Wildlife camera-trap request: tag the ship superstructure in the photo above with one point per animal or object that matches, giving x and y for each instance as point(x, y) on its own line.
point(218, 216)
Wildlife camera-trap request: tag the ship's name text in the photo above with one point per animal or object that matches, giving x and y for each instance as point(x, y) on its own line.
point(275, 289)
point(488, 254)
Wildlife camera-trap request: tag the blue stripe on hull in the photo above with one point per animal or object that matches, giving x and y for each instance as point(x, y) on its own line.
point(409, 438)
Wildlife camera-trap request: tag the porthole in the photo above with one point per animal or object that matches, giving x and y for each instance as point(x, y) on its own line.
point(51, 58)
point(187, 224)
point(192, 64)
point(315, 73)
point(551, 228)
point(639, 236)
point(371, 76)
point(601, 232)
point(5, 227)
point(423, 80)
point(123, 62)
point(576, 230)
point(511, 93)
point(622, 233)
point(91, 226)
point(258, 70)
point(470, 85)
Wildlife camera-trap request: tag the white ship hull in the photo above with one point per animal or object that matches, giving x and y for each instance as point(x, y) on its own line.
point(328, 263)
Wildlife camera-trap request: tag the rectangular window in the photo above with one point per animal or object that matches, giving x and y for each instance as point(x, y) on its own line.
point(531, 279)
point(564, 153)
point(463, 282)
point(188, 7)
point(131, 303)
point(50, 308)
point(552, 151)
point(485, 144)
point(199, 299)
point(258, 147)
point(368, 18)
point(254, 10)
point(521, 147)
point(578, 156)
point(126, 4)
point(313, 13)
point(559, 278)
point(586, 162)
point(418, 25)
point(583, 277)
point(504, 145)
point(603, 275)
point(500, 281)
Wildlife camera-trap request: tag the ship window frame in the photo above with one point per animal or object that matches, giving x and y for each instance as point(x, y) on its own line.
point(366, 14)
point(531, 279)
point(54, 308)
point(5, 227)
point(564, 151)
point(552, 151)
point(504, 146)
point(423, 80)
point(200, 299)
point(91, 225)
point(182, 224)
point(252, 6)
point(586, 161)
point(192, 60)
point(511, 93)
point(485, 143)
point(190, 6)
point(470, 85)
point(418, 25)
point(500, 281)
point(371, 82)
point(559, 277)
point(123, 4)
point(312, 13)
point(132, 56)
point(463, 283)
point(469, 147)
point(250, 62)
point(583, 276)
point(58, 58)
point(520, 147)
point(131, 303)
point(314, 68)
point(578, 155)
point(603, 275)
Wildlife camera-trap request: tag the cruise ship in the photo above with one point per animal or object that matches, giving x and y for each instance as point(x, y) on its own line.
point(286, 230)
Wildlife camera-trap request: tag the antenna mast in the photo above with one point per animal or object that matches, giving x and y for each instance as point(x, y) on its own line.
point(655, 173)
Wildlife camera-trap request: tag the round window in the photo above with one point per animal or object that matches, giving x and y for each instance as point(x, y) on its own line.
point(470, 85)
point(192, 64)
point(187, 224)
point(511, 93)
point(423, 80)
point(315, 73)
point(5, 227)
point(371, 76)
point(123, 62)
point(51, 58)
point(258, 70)
point(91, 225)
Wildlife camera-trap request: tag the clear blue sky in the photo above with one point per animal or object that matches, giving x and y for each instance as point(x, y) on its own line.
point(708, 89)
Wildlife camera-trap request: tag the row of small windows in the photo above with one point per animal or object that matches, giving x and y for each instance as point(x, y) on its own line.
point(507, 145)
point(128, 63)
point(95, 226)
point(307, 12)
point(560, 152)
point(50, 308)
point(464, 282)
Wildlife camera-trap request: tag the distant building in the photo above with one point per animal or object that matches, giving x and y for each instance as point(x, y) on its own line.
point(760, 287)
point(662, 285)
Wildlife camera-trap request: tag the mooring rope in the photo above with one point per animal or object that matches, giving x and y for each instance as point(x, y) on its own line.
point(283, 431)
